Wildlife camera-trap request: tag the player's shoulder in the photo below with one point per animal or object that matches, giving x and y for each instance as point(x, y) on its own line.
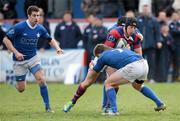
point(117, 30)
point(41, 27)
point(20, 24)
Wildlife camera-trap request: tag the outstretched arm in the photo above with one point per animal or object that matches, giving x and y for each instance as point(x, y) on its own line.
point(54, 44)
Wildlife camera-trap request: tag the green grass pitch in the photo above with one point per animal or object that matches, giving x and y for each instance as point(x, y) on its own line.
point(132, 105)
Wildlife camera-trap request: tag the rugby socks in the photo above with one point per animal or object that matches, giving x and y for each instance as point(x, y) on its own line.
point(44, 94)
point(105, 100)
point(111, 94)
point(80, 91)
point(146, 91)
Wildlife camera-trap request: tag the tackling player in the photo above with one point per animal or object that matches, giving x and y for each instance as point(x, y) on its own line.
point(131, 68)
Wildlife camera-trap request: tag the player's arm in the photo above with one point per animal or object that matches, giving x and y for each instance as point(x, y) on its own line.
point(10, 47)
point(138, 50)
point(112, 38)
point(137, 43)
point(54, 44)
point(90, 78)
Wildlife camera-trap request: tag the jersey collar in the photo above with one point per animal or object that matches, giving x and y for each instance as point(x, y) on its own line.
point(28, 23)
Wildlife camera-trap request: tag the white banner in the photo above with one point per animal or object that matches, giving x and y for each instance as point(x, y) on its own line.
point(55, 66)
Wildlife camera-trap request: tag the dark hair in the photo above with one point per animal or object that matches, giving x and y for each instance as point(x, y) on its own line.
point(131, 21)
point(31, 9)
point(121, 21)
point(67, 12)
point(100, 48)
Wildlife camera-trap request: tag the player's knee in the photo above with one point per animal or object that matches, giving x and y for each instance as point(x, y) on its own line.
point(137, 86)
point(86, 84)
point(20, 89)
point(41, 81)
point(20, 86)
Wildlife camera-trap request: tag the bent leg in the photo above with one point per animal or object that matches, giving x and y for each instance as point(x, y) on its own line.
point(146, 91)
point(90, 79)
point(112, 82)
point(20, 86)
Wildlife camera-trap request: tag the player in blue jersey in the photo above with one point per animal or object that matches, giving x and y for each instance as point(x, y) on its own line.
point(131, 68)
point(22, 41)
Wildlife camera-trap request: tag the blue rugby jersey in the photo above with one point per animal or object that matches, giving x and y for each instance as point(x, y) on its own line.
point(25, 37)
point(116, 58)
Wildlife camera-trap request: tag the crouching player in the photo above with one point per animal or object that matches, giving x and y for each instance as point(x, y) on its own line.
point(131, 68)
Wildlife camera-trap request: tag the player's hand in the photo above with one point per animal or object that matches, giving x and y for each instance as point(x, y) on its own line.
point(93, 62)
point(140, 36)
point(128, 46)
point(19, 56)
point(60, 51)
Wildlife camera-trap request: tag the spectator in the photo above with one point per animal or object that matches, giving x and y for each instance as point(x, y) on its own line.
point(94, 33)
point(166, 5)
point(175, 32)
point(130, 13)
point(3, 29)
point(110, 8)
point(149, 27)
point(90, 6)
point(163, 54)
point(2, 34)
point(56, 8)
point(68, 32)
point(43, 43)
point(162, 17)
point(7, 7)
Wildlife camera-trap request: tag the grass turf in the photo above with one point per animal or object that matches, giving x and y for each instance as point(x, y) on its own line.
point(133, 106)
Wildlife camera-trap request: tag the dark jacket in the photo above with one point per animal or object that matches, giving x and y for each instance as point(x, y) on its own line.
point(68, 35)
point(150, 29)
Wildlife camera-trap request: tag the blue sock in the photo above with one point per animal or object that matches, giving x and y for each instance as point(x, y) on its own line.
point(111, 94)
point(146, 91)
point(45, 96)
point(105, 99)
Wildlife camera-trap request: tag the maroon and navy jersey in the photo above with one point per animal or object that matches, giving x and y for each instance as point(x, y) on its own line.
point(115, 34)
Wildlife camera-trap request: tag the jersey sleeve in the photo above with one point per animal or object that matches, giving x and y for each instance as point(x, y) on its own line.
point(45, 34)
point(12, 33)
point(99, 65)
point(138, 38)
point(112, 38)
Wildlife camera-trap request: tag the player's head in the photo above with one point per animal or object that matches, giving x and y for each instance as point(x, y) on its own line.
point(131, 21)
point(121, 21)
point(130, 25)
point(33, 14)
point(100, 48)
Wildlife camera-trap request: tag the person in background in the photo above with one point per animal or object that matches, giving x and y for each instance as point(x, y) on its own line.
point(93, 34)
point(43, 43)
point(175, 32)
point(164, 54)
point(7, 7)
point(68, 32)
point(150, 29)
